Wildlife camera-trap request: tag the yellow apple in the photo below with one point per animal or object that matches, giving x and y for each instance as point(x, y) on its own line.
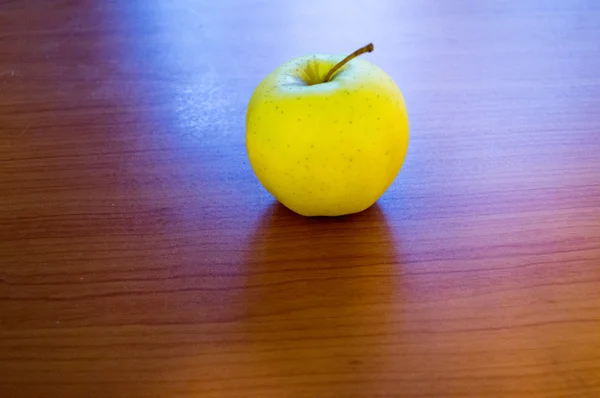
point(326, 141)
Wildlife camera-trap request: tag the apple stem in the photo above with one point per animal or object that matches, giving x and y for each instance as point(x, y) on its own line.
point(366, 49)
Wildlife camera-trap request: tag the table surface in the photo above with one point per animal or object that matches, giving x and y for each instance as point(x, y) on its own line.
point(140, 256)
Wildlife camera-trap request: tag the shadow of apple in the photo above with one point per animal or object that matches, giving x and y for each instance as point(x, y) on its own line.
point(322, 298)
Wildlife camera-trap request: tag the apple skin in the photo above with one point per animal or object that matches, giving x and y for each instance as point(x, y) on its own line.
point(326, 149)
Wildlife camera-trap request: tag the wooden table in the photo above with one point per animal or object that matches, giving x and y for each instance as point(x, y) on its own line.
point(140, 257)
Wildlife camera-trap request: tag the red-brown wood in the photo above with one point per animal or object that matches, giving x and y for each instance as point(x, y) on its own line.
point(139, 255)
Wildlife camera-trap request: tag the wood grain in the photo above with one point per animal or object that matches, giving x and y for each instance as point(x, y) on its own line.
point(140, 257)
